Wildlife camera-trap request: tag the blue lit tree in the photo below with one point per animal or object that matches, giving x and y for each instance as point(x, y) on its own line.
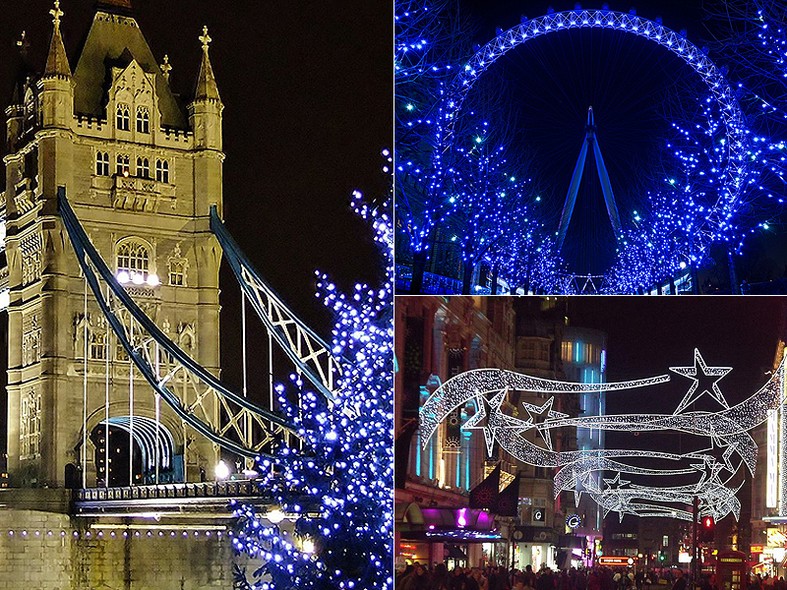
point(531, 261)
point(492, 206)
point(431, 40)
point(689, 213)
point(338, 487)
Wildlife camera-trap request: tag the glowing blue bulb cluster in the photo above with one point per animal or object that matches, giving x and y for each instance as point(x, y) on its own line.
point(722, 182)
point(337, 489)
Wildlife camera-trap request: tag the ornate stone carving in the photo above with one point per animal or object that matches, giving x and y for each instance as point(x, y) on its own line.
point(30, 249)
point(31, 338)
point(178, 267)
point(30, 424)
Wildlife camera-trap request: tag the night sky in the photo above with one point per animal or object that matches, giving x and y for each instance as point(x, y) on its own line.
point(647, 335)
point(547, 85)
point(307, 90)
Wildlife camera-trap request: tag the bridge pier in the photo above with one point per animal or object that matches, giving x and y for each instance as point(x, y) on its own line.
point(49, 542)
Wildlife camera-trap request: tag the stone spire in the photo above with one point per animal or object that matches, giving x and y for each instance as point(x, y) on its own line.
point(206, 82)
point(57, 61)
point(23, 69)
point(166, 68)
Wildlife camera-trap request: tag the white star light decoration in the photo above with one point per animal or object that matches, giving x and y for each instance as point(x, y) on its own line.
point(717, 479)
point(540, 417)
point(695, 392)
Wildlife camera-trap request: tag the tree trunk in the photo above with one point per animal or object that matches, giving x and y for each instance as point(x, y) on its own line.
point(467, 277)
point(419, 264)
point(495, 272)
point(734, 287)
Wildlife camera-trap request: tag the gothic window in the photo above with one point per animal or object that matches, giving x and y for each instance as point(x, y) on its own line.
point(143, 167)
point(123, 117)
point(120, 353)
point(102, 163)
point(123, 165)
point(143, 120)
point(186, 336)
point(30, 424)
point(177, 274)
point(162, 171)
point(97, 350)
point(178, 266)
point(133, 258)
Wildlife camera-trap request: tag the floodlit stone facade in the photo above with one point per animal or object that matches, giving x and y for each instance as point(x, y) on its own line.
point(141, 171)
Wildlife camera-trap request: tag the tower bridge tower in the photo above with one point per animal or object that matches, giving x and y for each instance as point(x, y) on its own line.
point(141, 170)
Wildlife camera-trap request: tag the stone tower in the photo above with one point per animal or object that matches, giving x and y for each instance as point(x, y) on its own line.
point(141, 171)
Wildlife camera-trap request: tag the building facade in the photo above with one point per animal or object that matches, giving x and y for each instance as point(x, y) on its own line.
point(141, 170)
point(437, 338)
point(584, 355)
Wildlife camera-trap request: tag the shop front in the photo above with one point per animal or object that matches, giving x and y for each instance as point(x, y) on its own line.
point(534, 546)
point(458, 537)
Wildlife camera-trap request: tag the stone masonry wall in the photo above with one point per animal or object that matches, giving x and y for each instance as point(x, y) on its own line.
point(46, 551)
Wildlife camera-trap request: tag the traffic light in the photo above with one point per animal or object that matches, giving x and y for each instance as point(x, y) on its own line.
point(708, 529)
point(662, 557)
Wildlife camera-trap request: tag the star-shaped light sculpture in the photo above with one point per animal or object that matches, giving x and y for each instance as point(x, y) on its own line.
point(700, 372)
point(489, 408)
point(615, 483)
point(709, 469)
point(615, 497)
point(718, 443)
point(540, 417)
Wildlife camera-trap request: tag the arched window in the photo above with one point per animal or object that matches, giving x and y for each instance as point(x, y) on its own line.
point(123, 165)
point(30, 424)
point(143, 120)
point(162, 171)
point(97, 350)
point(122, 117)
point(177, 273)
point(133, 262)
point(143, 167)
point(102, 163)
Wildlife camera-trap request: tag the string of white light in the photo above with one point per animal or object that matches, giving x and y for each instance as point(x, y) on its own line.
point(719, 474)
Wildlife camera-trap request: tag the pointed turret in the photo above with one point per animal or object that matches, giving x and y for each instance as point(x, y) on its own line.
point(57, 61)
point(15, 111)
point(205, 121)
point(206, 81)
point(56, 85)
point(205, 110)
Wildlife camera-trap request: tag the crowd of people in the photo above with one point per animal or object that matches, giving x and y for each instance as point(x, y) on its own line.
point(421, 577)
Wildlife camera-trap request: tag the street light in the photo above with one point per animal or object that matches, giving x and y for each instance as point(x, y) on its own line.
point(222, 470)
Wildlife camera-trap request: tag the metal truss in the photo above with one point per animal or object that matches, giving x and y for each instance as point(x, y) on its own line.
point(676, 43)
point(307, 351)
point(196, 396)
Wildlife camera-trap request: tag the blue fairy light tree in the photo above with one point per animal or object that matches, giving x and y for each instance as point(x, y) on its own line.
point(336, 490)
point(431, 42)
point(492, 206)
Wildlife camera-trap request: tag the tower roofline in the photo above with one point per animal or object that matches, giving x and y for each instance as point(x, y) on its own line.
point(122, 7)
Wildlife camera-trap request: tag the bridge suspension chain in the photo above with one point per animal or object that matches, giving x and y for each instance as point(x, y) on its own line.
point(195, 395)
point(307, 351)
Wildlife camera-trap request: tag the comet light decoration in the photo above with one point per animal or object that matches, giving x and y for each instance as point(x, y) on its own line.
point(714, 471)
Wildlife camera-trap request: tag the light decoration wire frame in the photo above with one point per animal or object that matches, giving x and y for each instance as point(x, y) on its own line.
point(717, 478)
point(676, 43)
